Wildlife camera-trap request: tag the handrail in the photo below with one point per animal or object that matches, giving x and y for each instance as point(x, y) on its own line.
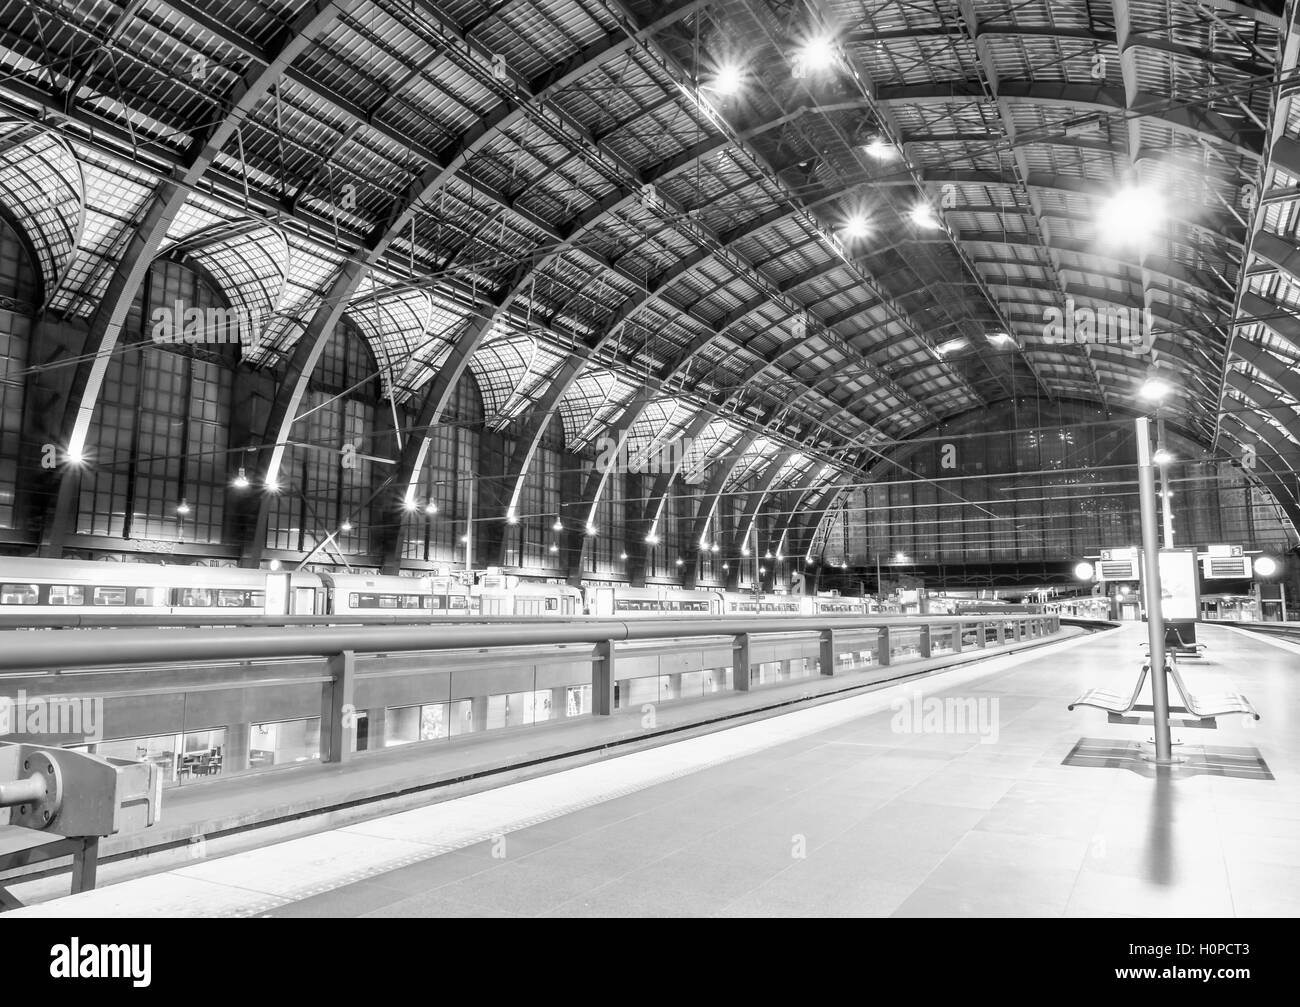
point(100, 648)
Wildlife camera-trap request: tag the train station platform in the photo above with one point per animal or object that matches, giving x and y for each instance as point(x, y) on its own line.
point(973, 792)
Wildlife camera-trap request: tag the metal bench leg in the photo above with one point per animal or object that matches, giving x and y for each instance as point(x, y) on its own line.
point(85, 864)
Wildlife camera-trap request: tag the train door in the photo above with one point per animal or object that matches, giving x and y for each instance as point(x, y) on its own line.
point(492, 605)
point(568, 605)
point(277, 594)
point(304, 601)
point(604, 601)
point(528, 606)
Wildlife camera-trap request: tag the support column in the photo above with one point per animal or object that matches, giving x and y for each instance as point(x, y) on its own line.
point(376, 729)
point(927, 642)
point(559, 702)
point(883, 656)
point(234, 755)
point(338, 726)
point(602, 679)
point(828, 655)
point(957, 630)
point(478, 713)
point(740, 663)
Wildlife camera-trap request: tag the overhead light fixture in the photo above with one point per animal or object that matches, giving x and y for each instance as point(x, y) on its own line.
point(271, 486)
point(431, 508)
point(465, 539)
point(241, 480)
point(1163, 456)
point(512, 517)
point(762, 570)
point(768, 554)
point(900, 557)
point(818, 53)
point(714, 547)
point(951, 346)
point(558, 526)
point(744, 550)
point(1000, 338)
point(182, 507)
point(1155, 387)
point(554, 547)
point(679, 561)
point(1083, 571)
point(1131, 216)
point(807, 559)
point(1265, 566)
point(275, 564)
point(652, 539)
point(75, 456)
point(591, 529)
point(923, 215)
point(345, 526)
point(880, 148)
point(622, 555)
point(726, 566)
point(856, 227)
point(729, 79)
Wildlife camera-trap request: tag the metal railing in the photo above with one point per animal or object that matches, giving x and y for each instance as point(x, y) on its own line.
point(131, 664)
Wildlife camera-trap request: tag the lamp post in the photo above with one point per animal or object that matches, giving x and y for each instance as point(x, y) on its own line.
point(1151, 581)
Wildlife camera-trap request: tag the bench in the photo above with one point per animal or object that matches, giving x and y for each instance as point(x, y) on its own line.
point(1113, 702)
point(1203, 708)
point(1174, 643)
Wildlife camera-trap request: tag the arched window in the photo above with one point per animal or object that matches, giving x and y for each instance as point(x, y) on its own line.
point(158, 450)
point(451, 466)
point(326, 476)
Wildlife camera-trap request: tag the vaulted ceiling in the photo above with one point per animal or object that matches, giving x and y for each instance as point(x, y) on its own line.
point(804, 230)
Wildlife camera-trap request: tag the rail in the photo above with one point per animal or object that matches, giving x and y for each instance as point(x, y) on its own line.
point(212, 674)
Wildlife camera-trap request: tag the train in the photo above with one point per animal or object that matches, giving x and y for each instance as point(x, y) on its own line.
point(33, 586)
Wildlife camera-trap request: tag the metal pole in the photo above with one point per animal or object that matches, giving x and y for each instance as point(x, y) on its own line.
point(1166, 507)
point(469, 528)
point(1151, 582)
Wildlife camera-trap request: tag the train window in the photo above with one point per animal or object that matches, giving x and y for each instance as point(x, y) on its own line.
point(241, 599)
point(387, 601)
point(411, 601)
point(458, 601)
point(141, 596)
point(110, 596)
point(552, 604)
point(18, 594)
point(186, 597)
point(67, 594)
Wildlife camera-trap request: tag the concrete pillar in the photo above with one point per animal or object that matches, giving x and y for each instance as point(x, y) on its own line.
point(337, 719)
point(740, 663)
point(602, 679)
point(376, 728)
point(478, 713)
point(234, 753)
point(927, 642)
point(826, 655)
point(560, 702)
point(957, 630)
point(882, 647)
